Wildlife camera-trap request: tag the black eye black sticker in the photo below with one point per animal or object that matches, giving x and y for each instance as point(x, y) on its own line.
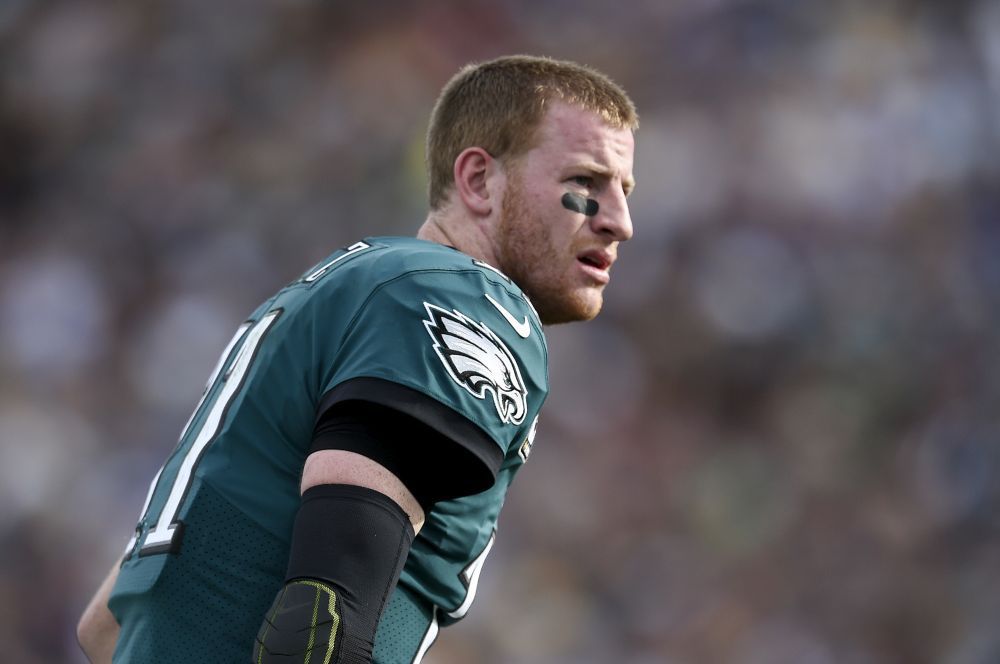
point(577, 203)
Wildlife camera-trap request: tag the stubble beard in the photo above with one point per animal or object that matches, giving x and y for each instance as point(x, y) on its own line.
point(524, 241)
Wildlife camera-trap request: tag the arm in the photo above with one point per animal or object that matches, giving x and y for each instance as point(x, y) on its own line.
point(342, 467)
point(350, 539)
point(97, 630)
point(366, 484)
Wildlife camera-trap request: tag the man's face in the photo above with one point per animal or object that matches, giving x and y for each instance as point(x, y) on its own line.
point(559, 257)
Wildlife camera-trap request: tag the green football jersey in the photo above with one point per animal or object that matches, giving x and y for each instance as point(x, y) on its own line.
point(406, 323)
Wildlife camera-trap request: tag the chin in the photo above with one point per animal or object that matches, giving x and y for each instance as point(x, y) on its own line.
point(575, 307)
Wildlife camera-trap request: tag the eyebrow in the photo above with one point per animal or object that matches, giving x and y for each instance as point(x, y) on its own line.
point(628, 184)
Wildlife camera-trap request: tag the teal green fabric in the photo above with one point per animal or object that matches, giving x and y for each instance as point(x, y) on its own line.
point(403, 310)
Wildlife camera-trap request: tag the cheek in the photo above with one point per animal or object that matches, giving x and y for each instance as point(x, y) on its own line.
point(538, 235)
point(542, 243)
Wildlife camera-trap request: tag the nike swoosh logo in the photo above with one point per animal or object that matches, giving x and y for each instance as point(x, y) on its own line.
point(523, 328)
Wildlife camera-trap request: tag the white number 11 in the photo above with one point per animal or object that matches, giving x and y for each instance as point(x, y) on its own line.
point(161, 535)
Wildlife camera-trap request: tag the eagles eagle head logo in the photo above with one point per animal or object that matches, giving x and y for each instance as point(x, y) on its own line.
point(478, 360)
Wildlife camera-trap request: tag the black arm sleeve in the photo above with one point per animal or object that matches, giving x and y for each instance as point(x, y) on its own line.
point(435, 452)
point(349, 544)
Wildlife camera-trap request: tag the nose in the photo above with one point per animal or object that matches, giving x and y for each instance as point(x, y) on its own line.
point(613, 218)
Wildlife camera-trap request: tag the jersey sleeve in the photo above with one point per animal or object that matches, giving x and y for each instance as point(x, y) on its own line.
point(435, 345)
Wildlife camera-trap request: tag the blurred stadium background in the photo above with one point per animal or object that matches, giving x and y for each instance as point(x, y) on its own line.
point(777, 446)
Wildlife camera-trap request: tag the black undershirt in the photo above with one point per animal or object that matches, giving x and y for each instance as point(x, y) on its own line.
point(436, 453)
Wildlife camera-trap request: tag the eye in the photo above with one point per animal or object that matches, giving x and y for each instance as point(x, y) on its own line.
point(583, 180)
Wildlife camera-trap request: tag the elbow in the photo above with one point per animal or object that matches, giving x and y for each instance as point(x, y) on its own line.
point(97, 634)
point(84, 634)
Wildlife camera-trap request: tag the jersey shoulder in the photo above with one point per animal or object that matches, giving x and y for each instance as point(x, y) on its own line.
point(484, 290)
point(439, 322)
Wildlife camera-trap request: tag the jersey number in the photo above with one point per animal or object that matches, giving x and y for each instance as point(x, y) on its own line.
point(163, 535)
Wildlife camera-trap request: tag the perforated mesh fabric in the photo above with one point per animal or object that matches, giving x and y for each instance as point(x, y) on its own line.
point(209, 600)
point(404, 624)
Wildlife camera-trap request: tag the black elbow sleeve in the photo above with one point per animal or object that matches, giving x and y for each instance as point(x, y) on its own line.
point(349, 544)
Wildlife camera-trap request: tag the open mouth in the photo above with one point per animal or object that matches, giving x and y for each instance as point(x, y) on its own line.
point(596, 265)
point(595, 260)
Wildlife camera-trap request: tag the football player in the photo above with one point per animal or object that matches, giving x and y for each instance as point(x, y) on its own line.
point(336, 491)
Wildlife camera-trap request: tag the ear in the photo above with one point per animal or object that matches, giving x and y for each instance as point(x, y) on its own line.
point(474, 169)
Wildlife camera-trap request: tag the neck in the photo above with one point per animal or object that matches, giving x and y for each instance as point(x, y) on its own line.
point(462, 234)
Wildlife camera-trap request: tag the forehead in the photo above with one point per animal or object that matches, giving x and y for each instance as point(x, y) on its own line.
point(568, 133)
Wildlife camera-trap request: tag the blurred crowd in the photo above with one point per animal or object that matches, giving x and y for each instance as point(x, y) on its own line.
point(779, 443)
